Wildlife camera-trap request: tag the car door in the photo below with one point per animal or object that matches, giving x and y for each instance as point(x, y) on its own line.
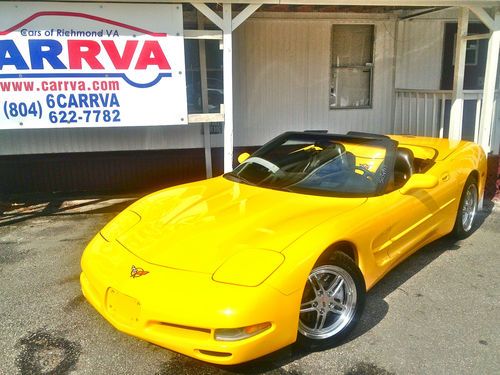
point(416, 216)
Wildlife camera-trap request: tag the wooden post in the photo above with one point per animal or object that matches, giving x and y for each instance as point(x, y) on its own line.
point(457, 101)
point(228, 86)
point(227, 25)
point(490, 78)
point(204, 99)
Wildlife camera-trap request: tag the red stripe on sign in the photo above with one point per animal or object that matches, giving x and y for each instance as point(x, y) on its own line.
point(81, 15)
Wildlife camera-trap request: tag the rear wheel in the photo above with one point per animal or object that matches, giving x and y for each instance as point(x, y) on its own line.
point(467, 209)
point(332, 302)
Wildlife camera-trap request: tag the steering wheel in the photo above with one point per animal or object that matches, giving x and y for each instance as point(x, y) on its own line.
point(265, 163)
point(276, 172)
point(321, 157)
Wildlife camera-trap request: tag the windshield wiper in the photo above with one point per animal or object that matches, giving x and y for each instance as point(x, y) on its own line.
point(238, 178)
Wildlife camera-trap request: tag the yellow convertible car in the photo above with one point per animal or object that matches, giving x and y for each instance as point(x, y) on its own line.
point(284, 248)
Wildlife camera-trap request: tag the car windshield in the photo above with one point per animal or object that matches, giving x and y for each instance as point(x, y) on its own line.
point(320, 164)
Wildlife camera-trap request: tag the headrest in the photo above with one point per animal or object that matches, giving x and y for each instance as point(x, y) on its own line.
point(349, 160)
point(404, 162)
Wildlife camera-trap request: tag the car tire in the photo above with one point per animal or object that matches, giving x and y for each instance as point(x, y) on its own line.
point(467, 210)
point(332, 302)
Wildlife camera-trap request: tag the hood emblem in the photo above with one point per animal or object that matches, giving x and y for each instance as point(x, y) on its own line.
point(137, 272)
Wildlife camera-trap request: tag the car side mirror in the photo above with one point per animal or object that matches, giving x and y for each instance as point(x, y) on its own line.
point(419, 181)
point(242, 157)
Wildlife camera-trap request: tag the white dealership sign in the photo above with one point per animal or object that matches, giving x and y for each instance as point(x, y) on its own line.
point(91, 65)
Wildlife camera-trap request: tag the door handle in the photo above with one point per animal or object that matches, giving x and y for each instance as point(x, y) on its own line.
point(445, 176)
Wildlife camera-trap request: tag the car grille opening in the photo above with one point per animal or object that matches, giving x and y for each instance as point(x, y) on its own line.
point(214, 354)
point(203, 330)
point(177, 330)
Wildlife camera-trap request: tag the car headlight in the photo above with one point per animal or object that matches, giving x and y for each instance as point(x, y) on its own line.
point(120, 224)
point(249, 267)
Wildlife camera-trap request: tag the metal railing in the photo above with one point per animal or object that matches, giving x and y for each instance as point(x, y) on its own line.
point(422, 112)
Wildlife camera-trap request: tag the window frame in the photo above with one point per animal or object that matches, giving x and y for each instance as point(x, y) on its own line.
point(371, 66)
point(468, 48)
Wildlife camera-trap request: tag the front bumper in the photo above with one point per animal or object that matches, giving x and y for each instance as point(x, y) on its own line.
point(180, 310)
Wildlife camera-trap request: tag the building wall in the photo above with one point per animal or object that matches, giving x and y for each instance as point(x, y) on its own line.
point(281, 82)
point(282, 79)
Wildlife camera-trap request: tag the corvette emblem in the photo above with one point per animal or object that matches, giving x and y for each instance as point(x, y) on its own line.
point(137, 271)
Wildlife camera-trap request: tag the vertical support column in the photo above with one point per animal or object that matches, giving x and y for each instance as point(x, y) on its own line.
point(457, 101)
point(228, 86)
point(478, 118)
point(490, 79)
point(204, 99)
point(394, 63)
point(495, 136)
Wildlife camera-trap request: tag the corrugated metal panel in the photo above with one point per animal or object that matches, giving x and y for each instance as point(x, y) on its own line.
point(99, 171)
point(282, 81)
point(124, 171)
point(420, 51)
point(38, 141)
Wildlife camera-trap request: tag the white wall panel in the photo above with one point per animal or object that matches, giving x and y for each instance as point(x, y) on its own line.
point(283, 77)
point(419, 54)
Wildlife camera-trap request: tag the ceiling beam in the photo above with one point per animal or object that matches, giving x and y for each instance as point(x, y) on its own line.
point(484, 17)
point(393, 3)
point(396, 3)
point(209, 13)
point(423, 13)
point(244, 14)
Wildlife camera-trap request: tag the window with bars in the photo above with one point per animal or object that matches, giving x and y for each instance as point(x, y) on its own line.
point(351, 66)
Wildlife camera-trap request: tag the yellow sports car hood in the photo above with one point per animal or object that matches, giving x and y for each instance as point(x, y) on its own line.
point(197, 226)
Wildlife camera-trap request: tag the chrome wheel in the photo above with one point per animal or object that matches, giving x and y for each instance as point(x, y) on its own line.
point(469, 207)
point(329, 302)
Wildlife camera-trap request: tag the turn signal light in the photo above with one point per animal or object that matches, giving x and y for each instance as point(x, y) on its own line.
point(236, 334)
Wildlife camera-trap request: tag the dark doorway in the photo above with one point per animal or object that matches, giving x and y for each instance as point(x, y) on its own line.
point(475, 64)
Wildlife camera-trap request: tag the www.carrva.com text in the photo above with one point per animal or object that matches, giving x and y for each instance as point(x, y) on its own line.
point(30, 86)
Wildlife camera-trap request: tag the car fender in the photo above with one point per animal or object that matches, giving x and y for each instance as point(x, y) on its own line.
point(354, 227)
point(464, 161)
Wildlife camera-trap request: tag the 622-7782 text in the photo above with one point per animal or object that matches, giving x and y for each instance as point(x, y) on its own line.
point(95, 115)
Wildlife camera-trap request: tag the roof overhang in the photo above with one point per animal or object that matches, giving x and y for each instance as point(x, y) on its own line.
point(393, 3)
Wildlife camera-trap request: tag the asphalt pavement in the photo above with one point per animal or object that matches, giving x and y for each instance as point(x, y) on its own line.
point(436, 313)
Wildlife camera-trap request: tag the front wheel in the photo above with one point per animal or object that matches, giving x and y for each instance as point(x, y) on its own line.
point(332, 302)
point(467, 210)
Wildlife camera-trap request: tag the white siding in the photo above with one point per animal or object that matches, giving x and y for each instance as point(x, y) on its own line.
point(419, 54)
point(282, 80)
